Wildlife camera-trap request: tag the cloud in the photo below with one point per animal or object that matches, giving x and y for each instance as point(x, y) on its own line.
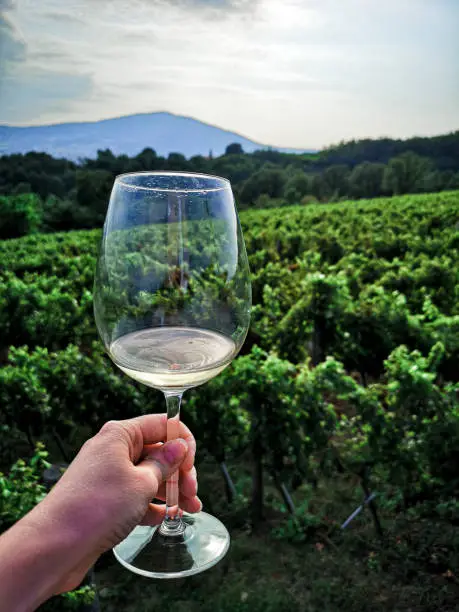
point(12, 46)
point(63, 17)
point(220, 4)
point(13, 49)
point(289, 72)
point(223, 5)
point(35, 79)
point(41, 92)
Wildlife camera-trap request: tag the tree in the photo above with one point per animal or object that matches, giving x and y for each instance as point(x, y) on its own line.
point(19, 215)
point(177, 162)
point(234, 149)
point(199, 163)
point(21, 187)
point(63, 216)
point(431, 181)
point(236, 168)
point(404, 173)
point(105, 160)
point(269, 180)
point(453, 182)
point(365, 180)
point(149, 160)
point(332, 184)
point(297, 186)
point(335, 180)
point(93, 191)
point(443, 150)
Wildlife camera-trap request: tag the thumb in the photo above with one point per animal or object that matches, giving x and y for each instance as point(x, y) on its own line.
point(162, 462)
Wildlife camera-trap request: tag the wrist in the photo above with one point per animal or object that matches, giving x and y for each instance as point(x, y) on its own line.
point(36, 555)
point(83, 517)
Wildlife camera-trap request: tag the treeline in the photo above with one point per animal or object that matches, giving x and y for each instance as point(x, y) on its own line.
point(442, 150)
point(74, 196)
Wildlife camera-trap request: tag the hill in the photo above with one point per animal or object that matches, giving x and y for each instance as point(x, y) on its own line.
point(164, 132)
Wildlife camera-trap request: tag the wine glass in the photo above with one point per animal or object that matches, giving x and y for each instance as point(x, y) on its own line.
point(172, 300)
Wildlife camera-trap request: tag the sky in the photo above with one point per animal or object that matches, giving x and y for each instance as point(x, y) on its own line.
point(293, 73)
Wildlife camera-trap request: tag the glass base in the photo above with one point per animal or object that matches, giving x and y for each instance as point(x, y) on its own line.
point(202, 544)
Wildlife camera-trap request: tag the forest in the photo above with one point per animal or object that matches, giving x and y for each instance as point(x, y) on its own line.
point(330, 446)
point(74, 196)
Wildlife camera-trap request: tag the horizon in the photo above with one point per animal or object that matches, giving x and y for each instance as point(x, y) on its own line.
point(300, 149)
point(293, 74)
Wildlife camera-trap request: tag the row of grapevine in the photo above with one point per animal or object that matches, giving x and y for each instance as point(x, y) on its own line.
point(295, 419)
point(350, 362)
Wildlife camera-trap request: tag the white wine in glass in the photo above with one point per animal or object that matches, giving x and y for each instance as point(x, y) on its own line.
point(172, 301)
point(173, 357)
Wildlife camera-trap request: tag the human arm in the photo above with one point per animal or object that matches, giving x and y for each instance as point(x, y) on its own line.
point(103, 495)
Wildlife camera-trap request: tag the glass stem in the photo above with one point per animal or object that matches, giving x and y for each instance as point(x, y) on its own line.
point(172, 525)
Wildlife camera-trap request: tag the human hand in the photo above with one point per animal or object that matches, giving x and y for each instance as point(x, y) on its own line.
point(108, 489)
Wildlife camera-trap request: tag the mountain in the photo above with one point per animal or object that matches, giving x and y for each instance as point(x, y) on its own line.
point(164, 132)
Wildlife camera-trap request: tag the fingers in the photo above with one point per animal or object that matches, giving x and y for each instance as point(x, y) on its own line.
point(145, 430)
point(162, 462)
point(148, 448)
point(154, 428)
point(157, 512)
point(186, 434)
point(188, 485)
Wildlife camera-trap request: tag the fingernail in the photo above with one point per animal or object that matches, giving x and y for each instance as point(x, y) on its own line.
point(200, 504)
point(175, 450)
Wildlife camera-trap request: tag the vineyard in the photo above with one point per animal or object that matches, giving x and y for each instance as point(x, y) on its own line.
point(333, 439)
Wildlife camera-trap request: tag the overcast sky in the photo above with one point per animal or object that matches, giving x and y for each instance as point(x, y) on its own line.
point(299, 73)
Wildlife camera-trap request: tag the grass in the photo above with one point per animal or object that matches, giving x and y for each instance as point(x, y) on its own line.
point(261, 574)
point(412, 569)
